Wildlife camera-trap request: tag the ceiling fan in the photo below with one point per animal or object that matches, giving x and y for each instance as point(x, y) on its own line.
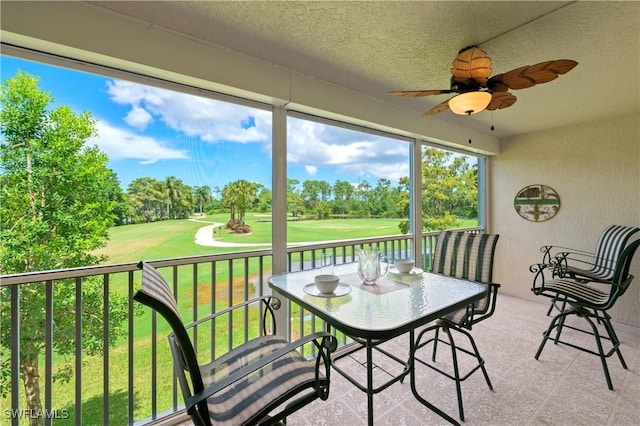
point(477, 91)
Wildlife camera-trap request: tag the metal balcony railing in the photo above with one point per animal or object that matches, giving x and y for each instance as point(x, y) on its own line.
point(130, 380)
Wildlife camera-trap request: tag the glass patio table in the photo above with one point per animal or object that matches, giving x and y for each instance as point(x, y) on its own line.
point(373, 314)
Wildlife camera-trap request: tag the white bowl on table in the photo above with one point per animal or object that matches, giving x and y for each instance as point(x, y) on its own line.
point(326, 283)
point(404, 266)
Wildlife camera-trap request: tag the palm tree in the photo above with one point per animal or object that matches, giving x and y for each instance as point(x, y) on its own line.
point(172, 191)
point(203, 196)
point(239, 196)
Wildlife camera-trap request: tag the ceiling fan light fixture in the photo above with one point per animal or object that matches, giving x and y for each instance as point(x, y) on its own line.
point(470, 102)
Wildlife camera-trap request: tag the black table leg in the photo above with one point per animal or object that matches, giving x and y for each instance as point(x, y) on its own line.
point(369, 382)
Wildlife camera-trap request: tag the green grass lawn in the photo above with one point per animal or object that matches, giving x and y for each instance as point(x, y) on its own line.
point(175, 238)
point(172, 239)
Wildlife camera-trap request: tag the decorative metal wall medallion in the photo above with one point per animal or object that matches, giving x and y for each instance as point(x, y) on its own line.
point(537, 203)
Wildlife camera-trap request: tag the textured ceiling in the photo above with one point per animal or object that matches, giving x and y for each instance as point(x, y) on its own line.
point(375, 47)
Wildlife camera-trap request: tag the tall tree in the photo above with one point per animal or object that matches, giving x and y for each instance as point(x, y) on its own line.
point(442, 188)
point(146, 196)
point(295, 203)
point(264, 200)
point(403, 203)
point(202, 196)
point(172, 191)
point(381, 199)
point(342, 193)
point(55, 208)
point(184, 202)
point(314, 191)
point(239, 196)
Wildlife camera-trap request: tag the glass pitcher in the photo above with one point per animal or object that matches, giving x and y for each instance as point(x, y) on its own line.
point(371, 265)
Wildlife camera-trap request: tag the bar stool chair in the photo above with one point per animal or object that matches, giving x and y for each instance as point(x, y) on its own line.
point(468, 256)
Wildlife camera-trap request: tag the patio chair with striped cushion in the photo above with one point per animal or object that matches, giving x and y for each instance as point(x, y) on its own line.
point(468, 256)
point(598, 266)
point(587, 297)
point(250, 381)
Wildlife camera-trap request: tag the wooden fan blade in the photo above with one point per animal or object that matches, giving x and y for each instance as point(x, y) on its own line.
point(438, 108)
point(515, 79)
point(528, 76)
point(562, 66)
point(501, 100)
point(418, 93)
point(471, 64)
point(495, 84)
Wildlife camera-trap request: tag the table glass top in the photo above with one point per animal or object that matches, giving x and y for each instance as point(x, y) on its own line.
point(398, 304)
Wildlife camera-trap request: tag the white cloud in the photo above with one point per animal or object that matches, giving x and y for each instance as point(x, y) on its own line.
point(193, 116)
point(121, 144)
point(368, 156)
point(309, 144)
point(138, 118)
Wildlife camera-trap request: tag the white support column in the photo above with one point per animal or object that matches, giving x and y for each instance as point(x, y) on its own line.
point(483, 183)
point(279, 209)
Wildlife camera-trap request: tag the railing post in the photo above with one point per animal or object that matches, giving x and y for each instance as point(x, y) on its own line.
point(416, 201)
point(78, 351)
point(105, 345)
point(48, 344)
point(15, 352)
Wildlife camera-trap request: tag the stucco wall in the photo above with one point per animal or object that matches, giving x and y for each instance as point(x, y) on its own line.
point(595, 169)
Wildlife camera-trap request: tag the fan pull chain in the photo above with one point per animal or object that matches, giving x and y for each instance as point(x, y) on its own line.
point(469, 126)
point(492, 128)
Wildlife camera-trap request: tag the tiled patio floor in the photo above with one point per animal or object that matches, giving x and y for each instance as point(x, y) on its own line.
point(564, 387)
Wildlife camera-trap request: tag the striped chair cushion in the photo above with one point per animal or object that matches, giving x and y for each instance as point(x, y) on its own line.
point(230, 406)
point(611, 243)
point(467, 256)
point(575, 290)
point(155, 287)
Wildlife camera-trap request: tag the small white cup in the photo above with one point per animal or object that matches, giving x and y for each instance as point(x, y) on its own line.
point(404, 266)
point(326, 283)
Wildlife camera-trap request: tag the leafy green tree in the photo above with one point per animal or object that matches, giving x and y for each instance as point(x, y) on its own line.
point(264, 200)
point(361, 203)
point(183, 204)
point(342, 194)
point(382, 199)
point(202, 196)
point(239, 196)
point(314, 191)
point(56, 206)
point(146, 197)
point(403, 203)
point(172, 191)
point(442, 188)
point(114, 193)
point(295, 203)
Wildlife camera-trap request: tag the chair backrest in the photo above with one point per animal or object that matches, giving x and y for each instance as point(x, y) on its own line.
point(156, 294)
point(465, 255)
point(611, 243)
point(621, 272)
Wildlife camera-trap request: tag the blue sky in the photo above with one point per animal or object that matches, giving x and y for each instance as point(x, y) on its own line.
point(147, 131)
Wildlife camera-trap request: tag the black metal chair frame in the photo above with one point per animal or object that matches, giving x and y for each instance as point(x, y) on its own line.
point(585, 301)
point(471, 316)
point(586, 266)
point(197, 393)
